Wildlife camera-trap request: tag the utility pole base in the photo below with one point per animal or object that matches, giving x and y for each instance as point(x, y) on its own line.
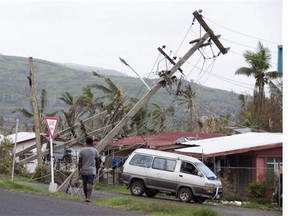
point(52, 187)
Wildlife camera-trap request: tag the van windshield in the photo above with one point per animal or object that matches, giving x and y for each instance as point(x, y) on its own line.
point(206, 171)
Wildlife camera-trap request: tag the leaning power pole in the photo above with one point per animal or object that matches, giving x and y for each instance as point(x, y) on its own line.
point(167, 78)
point(35, 111)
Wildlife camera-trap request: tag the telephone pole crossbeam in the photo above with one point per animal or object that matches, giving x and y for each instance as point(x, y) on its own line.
point(169, 59)
point(212, 35)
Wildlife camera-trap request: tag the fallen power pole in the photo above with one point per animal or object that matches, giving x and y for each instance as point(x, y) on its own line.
point(168, 76)
point(70, 142)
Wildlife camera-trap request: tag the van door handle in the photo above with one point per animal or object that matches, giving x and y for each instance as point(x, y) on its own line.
point(180, 175)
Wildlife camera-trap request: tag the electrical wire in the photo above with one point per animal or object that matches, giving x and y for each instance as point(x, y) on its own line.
point(247, 35)
point(237, 83)
point(244, 45)
point(236, 53)
point(189, 29)
point(209, 73)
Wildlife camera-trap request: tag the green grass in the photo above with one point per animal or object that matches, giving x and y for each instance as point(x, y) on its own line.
point(112, 188)
point(19, 185)
point(157, 208)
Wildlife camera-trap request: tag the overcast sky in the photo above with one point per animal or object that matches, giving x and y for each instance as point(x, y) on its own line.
point(96, 33)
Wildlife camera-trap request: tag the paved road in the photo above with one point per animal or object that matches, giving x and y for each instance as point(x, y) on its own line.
point(16, 203)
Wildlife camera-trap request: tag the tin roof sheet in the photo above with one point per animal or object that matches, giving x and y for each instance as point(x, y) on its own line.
point(232, 143)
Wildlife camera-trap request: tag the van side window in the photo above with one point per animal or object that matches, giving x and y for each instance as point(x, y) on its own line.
point(188, 168)
point(164, 164)
point(141, 160)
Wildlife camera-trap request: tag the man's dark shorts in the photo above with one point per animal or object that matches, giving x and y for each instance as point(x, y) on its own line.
point(88, 179)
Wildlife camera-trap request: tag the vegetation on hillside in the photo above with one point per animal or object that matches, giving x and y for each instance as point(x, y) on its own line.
point(58, 80)
point(75, 95)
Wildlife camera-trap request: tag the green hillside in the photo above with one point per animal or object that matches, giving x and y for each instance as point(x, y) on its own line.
point(57, 79)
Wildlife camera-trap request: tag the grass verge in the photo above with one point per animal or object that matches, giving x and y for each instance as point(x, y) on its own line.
point(156, 208)
point(112, 188)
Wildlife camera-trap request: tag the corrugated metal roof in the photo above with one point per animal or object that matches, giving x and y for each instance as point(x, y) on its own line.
point(22, 136)
point(162, 139)
point(232, 143)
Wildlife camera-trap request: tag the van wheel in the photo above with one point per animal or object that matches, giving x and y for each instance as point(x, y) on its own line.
point(185, 195)
point(150, 192)
point(137, 188)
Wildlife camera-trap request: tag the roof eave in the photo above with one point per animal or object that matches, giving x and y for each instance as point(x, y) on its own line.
point(240, 151)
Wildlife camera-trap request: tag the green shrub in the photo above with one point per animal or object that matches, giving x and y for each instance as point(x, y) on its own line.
point(228, 192)
point(258, 189)
point(261, 201)
point(6, 156)
point(235, 197)
point(42, 174)
point(20, 170)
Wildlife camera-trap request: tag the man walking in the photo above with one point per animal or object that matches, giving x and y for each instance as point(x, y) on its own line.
point(88, 157)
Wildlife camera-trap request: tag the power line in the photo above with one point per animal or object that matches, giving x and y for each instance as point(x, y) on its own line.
point(247, 35)
point(240, 84)
point(251, 58)
point(241, 44)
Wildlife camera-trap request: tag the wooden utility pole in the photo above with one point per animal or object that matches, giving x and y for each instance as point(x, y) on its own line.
point(167, 78)
point(146, 97)
point(35, 111)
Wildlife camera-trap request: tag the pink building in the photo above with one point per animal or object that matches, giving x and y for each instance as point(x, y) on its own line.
point(242, 158)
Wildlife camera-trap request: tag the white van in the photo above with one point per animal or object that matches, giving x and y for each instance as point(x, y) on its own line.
point(152, 171)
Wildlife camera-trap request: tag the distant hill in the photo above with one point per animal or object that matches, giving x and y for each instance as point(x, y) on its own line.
point(58, 78)
point(107, 72)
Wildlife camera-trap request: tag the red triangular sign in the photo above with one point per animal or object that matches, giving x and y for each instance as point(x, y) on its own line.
point(51, 124)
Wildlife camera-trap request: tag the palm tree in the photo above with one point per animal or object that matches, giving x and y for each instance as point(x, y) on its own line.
point(28, 115)
point(187, 98)
point(248, 119)
point(139, 120)
point(258, 64)
point(224, 122)
point(114, 94)
point(92, 104)
point(82, 107)
point(75, 111)
point(115, 97)
point(159, 115)
point(243, 100)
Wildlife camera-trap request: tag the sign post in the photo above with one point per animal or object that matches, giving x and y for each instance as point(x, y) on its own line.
point(51, 123)
point(14, 150)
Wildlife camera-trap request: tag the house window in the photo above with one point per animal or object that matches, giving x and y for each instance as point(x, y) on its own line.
point(274, 168)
